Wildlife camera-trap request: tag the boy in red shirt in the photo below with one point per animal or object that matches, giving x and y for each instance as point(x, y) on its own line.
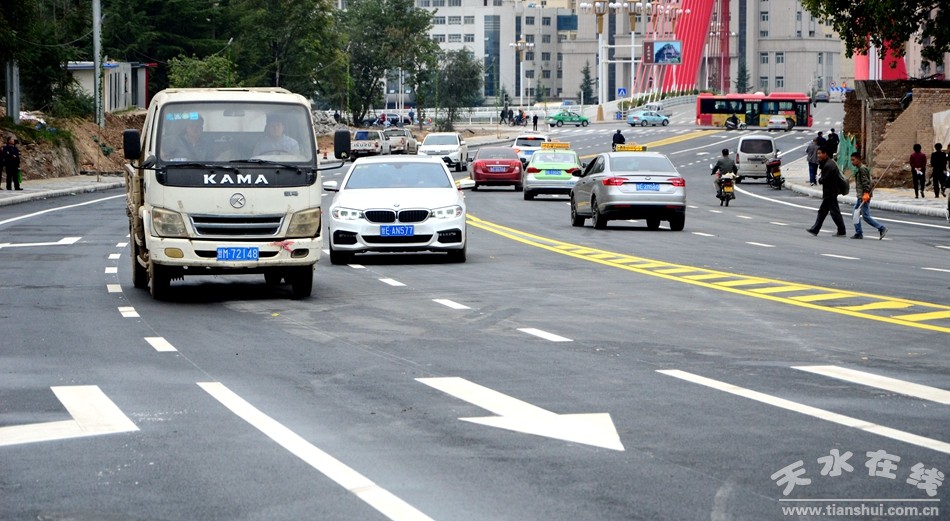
point(918, 165)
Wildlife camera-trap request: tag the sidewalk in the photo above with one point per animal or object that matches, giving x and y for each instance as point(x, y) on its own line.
point(36, 189)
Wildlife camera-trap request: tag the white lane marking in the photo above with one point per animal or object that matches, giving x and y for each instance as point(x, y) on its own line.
point(58, 208)
point(326, 251)
point(392, 282)
point(881, 382)
point(62, 242)
point(944, 247)
point(362, 487)
point(357, 266)
point(121, 244)
point(69, 240)
point(160, 344)
point(449, 303)
point(92, 411)
point(936, 269)
point(761, 244)
point(114, 256)
point(112, 269)
point(591, 429)
point(703, 234)
point(113, 288)
point(845, 257)
point(128, 312)
point(815, 412)
point(692, 206)
point(743, 216)
point(544, 334)
point(716, 211)
point(778, 223)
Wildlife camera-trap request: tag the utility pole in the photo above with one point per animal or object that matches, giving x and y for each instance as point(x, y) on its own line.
point(97, 61)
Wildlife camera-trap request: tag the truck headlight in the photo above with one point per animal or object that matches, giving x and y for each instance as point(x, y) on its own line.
point(448, 212)
point(346, 214)
point(305, 224)
point(167, 223)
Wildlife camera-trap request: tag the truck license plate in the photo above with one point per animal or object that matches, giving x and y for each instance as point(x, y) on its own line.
point(238, 253)
point(396, 231)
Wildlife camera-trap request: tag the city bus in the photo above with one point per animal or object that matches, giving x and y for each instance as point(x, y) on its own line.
point(753, 109)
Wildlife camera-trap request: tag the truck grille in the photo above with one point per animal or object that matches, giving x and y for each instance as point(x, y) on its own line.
point(390, 216)
point(237, 225)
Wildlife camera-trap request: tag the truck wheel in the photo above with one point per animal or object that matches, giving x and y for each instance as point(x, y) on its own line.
point(139, 273)
point(161, 281)
point(301, 281)
point(273, 278)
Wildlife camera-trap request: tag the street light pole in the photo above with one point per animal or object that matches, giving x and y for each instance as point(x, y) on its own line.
point(599, 9)
point(520, 47)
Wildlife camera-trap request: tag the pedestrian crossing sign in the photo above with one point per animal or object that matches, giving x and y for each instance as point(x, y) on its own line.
point(621, 92)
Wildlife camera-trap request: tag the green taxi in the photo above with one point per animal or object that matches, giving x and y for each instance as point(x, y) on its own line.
point(551, 170)
point(569, 117)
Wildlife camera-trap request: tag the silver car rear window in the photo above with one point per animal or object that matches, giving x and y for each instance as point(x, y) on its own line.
point(756, 146)
point(635, 163)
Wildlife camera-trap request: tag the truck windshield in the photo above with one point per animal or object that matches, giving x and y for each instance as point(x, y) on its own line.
point(213, 132)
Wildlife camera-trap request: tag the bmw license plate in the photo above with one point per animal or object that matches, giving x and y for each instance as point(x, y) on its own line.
point(396, 231)
point(238, 253)
point(648, 187)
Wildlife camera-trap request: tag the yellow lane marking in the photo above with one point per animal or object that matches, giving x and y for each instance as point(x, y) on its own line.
point(921, 315)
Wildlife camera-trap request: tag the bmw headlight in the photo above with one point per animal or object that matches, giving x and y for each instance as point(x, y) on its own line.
point(346, 214)
point(305, 224)
point(448, 212)
point(167, 223)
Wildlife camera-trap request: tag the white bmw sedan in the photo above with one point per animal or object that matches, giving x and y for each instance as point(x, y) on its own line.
point(396, 204)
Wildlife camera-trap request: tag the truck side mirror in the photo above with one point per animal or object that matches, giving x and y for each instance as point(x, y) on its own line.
point(341, 144)
point(132, 144)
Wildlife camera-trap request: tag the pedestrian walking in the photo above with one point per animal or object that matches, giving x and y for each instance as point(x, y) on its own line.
point(938, 170)
point(811, 153)
point(821, 140)
point(511, 116)
point(504, 116)
point(863, 189)
point(832, 142)
point(10, 156)
point(828, 179)
point(918, 163)
point(534, 120)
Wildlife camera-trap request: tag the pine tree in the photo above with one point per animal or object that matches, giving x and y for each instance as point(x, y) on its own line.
point(742, 78)
point(586, 94)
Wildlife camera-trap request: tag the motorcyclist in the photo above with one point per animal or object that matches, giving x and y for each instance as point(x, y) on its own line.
point(618, 139)
point(733, 121)
point(724, 165)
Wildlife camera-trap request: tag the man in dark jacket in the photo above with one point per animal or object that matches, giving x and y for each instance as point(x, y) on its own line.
point(10, 160)
point(829, 195)
point(832, 142)
point(938, 170)
point(863, 189)
point(918, 163)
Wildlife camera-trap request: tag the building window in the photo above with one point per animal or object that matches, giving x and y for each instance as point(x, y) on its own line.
point(529, 20)
point(498, 3)
point(798, 33)
point(529, 56)
point(469, 20)
point(821, 57)
point(423, 3)
point(798, 16)
point(469, 37)
point(811, 33)
point(438, 38)
point(546, 20)
point(545, 73)
point(764, 58)
point(560, 73)
point(545, 56)
point(438, 20)
point(455, 20)
point(529, 73)
point(455, 3)
point(529, 38)
point(438, 3)
point(780, 82)
point(455, 38)
point(780, 57)
point(763, 34)
point(545, 38)
point(764, 16)
point(764, 82)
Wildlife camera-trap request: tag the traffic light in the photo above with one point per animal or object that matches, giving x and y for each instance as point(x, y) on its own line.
point(506, 98)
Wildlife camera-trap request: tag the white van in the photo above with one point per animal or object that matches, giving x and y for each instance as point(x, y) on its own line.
point(752, 153)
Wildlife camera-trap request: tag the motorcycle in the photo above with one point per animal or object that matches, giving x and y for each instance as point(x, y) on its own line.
point(732, 125)
point(727, 190)
point(773, 173)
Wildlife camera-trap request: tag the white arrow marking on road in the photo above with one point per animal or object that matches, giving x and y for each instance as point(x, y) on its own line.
point(515, 415)
point(65, 241)
point(93, 414)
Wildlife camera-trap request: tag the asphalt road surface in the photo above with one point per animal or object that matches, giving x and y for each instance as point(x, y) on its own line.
point(736, 370)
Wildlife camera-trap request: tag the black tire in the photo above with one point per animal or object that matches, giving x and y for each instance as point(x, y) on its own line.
point(643, 123)
point(666, 122)
point(632, 125)
point(338, 257)
point(677, 223)
point(519, 187)
point(576, 220)
point(653, 223)
point(160, 281)
point(139, 272)
point(273, 278)
point(475, 187)
point(528, 196)
point(560, 123)
point(597, 219)
point(583, 123)
point(458, 256)
point(301, 281)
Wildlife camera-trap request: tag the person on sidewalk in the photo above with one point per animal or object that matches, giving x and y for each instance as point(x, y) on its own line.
point(938, 170)
point(10, 156)
point(918, 163)
point(811, 153)
point(534, 119)
point(863, 189)
point(821, 139)
point(833, 142)
point(829, 195)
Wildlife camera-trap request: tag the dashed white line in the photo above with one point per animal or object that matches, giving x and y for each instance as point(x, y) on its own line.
point(113, 288)
point(743, 216)
point(943, 247)
point(450, 303)
point(845, 257)
point(703, 234)
point(112, 269)
point(936, 269)
point(357, 266)
point(160, 344)
point(881, 382)
point(716, 211)
point(128, 312)
point(114, 256)
point(544, 334)
point(69, 240)
point(121, 244)
point(392, 282)
point(761, 244)
point(778, 223)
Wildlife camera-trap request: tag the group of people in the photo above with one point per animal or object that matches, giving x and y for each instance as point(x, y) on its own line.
point(510, 117)
point(829, 143)
point(10, 162)
point(938, 172)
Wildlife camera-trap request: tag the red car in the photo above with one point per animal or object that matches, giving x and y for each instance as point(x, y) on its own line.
point(496, 166)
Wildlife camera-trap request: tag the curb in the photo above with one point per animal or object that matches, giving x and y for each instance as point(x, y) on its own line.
point(48, 194)
point(880, 205)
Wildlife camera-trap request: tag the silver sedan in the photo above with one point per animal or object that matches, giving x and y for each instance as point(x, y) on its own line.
point(629, 185)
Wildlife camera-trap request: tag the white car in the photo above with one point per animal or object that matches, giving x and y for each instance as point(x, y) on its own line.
point(396, 204)
point(447, 146)
point(779, 123)
point(527, 144)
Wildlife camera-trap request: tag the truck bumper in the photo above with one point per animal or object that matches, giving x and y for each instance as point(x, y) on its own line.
point(203, 253)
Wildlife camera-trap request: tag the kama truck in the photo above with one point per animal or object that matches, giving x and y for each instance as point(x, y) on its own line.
point(224, 181)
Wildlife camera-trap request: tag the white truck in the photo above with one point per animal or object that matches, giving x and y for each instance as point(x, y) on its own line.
point(401, 141)
point(224, 181)
point(369, 143)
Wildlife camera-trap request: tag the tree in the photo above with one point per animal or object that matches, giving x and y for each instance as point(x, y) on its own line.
point(457, 84)
point(742, 78)
point(586, 94)
point(888, 24)
point(213, 71)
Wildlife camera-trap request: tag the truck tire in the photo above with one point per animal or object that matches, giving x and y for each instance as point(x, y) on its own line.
point(161, 281)
point(273, 278)
point(301, 281)
point(139, 273)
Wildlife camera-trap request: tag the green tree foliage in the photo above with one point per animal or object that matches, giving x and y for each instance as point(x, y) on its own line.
point(458, 84)
point(888, 23)
point(213, 71)
point(586, 94)
point(742, 78)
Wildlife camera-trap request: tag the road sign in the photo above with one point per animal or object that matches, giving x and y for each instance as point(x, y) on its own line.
point(832, 84)
point(621, 92)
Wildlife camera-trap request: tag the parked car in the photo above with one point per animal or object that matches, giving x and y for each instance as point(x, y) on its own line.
point(551, 170)
point(368, 143)
point(647, 117)
point(401, 141)
point(629, 185)
point(396, 204)
point(495, 166)
point(569, 117)
point(449, 146)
